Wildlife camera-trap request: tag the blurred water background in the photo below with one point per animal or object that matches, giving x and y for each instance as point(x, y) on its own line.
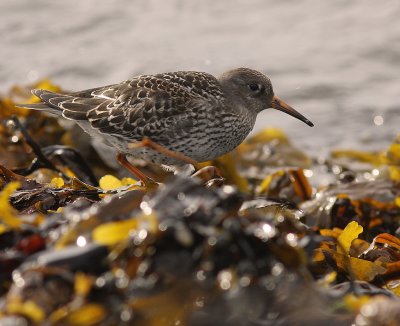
point(337, 62)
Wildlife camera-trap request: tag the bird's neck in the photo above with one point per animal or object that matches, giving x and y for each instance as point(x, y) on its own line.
point(238, 105)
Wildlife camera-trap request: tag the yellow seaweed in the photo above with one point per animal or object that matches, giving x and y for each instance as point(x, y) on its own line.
point(365, 157)
point(350, 232)
point(355, 302)
point(264, 186)
point(83, 283)
point(267, 135)
point(360, 269)
point(109, 182)
point(3, 229)
point(57, 182)
point(8, 214)
point(228, 168)
point(114, 232)
point(126, 181)
point(393, 154)
point(89, 314)
point(111, 233)
point(28, 308)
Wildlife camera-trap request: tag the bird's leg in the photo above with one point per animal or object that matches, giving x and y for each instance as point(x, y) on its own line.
point(147, 181)
point(205, 174)
point(208, 173)
point(146, 142)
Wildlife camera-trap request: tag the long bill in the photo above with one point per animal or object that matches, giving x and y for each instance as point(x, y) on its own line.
point(281, 105)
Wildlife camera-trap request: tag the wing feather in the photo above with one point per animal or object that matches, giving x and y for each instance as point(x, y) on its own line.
point(147, 105)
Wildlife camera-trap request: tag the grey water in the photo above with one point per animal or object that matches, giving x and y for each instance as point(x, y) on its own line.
point(337, 62)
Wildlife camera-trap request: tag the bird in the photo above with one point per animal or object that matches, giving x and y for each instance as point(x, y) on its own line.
point(193, 114)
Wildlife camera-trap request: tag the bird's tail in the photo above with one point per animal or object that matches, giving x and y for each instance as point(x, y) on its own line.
point(45, 105)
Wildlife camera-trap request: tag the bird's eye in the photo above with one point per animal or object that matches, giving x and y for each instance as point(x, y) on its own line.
point(254, 87)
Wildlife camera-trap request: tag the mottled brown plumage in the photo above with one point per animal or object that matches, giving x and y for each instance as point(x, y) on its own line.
point(189, 112)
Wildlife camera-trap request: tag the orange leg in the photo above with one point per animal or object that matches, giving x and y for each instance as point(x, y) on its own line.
point(205, 174)
point(147, 181)
point(146, 142)
point(209, 173)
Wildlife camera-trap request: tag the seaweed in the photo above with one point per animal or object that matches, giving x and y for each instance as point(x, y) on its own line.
point(263, 235)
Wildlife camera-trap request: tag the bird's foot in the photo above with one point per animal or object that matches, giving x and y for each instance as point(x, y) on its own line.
point(147, 181)
point(208, 174)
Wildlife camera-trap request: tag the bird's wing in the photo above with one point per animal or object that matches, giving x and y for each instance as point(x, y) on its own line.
point(147, 105)
point(75, 106)
point(157, 104)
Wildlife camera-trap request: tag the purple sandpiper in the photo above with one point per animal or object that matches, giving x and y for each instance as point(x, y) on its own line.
point(187, 112)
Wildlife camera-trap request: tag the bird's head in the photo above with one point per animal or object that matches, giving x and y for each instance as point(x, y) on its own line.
point(255, 89)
